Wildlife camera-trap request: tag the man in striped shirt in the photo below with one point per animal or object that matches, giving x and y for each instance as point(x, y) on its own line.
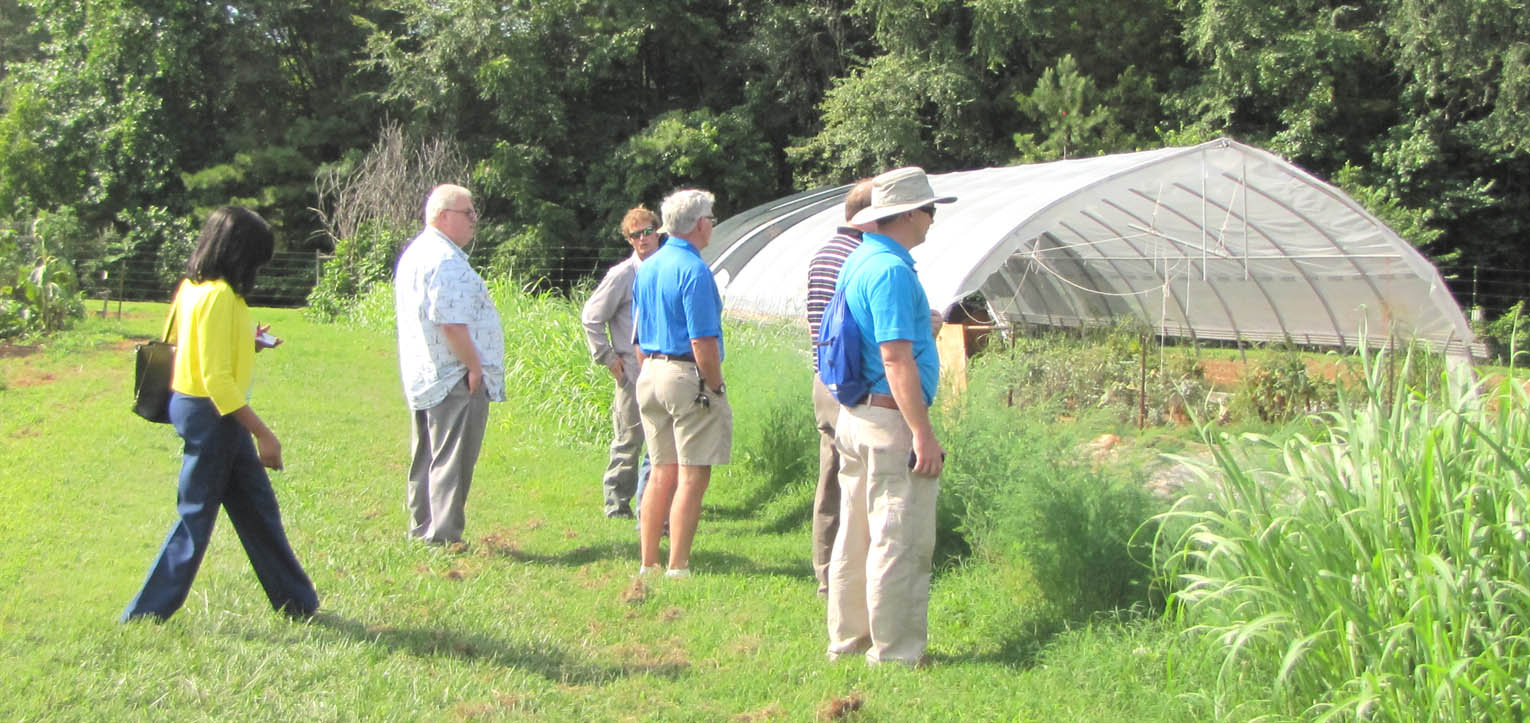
point(823, 272)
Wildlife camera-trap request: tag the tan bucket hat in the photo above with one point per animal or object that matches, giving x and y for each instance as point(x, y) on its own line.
point(896, 191)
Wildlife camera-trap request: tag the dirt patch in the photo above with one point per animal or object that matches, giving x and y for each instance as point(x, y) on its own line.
point(31, 378)
point(1222, 373)
point(16, 351)
point(1226, 374)
point(839, 708)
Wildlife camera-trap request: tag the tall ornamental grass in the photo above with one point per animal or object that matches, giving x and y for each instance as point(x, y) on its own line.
point(1377, 570)
point(552, 381)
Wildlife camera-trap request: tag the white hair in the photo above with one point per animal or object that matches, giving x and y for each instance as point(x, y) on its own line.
point(683, 209)
point(442, 197)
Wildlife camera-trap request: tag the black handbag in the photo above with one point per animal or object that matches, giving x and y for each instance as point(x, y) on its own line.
point(154, 365)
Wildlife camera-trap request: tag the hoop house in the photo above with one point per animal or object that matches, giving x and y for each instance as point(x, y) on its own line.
point(1217, 241)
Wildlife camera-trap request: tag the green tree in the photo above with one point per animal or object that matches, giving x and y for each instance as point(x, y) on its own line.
point(895, 110)
point(1067, 108)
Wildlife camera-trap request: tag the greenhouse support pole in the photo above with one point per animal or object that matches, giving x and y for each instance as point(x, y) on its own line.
point(1142, 384)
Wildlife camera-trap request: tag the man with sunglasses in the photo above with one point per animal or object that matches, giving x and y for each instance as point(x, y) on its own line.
point(890, 460)
point(607, 318)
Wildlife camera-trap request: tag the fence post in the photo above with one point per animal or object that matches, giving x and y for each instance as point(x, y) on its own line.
point(1474, 287)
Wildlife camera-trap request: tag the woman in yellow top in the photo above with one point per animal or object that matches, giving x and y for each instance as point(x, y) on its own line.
point(221, 465)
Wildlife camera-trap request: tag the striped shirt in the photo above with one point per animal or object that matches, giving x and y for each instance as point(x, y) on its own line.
point(823, 272)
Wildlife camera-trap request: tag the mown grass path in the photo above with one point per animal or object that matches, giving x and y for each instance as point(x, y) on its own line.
point(540, 618)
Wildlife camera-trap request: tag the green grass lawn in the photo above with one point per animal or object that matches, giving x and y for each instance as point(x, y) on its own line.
point(540, 618)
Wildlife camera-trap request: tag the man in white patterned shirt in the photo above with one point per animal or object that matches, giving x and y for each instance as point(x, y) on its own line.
point(451, 355)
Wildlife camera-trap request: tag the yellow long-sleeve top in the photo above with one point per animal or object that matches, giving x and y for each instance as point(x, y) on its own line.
point(215, 344)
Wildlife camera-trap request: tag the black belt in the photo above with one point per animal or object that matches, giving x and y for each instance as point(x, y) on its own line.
point(674, 357)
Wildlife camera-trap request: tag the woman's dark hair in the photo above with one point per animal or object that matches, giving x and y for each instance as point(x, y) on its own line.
point(234, 243)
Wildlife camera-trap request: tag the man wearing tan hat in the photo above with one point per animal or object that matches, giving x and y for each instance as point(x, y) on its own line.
point(890, 461)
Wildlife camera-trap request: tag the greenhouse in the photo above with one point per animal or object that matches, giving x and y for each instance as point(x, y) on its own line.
point(1219, 241)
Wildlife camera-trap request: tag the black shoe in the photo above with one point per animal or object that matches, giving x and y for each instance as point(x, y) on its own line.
point(621, 513)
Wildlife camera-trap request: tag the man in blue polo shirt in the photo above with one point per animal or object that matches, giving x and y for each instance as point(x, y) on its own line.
point(687, 423)
point(890, 460)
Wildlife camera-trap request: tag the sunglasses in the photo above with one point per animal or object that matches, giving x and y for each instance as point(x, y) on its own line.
point(930, 209)
point(640, 233)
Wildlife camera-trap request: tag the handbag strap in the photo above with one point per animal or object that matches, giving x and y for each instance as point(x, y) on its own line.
point(175, 306)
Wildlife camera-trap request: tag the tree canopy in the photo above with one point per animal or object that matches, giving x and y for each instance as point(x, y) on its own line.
point(136, 116)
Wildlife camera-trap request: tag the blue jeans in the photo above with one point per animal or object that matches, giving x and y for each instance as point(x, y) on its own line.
point(220, 468)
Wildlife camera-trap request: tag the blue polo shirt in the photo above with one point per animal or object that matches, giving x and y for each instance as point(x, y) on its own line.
point(675, 300)
point(888, 303)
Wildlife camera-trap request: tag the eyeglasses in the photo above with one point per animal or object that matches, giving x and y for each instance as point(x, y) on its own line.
point(711, 219)
point(930, 209)
point(640, 233)
point(471, 214)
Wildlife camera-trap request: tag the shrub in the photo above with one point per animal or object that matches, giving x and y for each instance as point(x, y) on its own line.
point(786, 449)
point(43, 297)
point(1507, 335)
point(1281, 388)
point(1017, 486)
point(1103, 371)
point(361, 261)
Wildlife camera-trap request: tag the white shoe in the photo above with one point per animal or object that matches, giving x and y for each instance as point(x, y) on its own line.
point(681, 573)
point(645, 571)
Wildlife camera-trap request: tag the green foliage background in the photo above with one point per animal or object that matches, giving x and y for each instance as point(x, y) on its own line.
point(134, 118)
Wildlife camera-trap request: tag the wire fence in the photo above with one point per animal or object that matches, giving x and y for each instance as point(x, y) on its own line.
point(1486, 291)
point(290, 276)
point(286, 281)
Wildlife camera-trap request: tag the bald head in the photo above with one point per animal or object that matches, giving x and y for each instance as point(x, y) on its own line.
point(858, 198)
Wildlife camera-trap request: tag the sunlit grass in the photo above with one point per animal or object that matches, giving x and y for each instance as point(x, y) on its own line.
point(539, 619)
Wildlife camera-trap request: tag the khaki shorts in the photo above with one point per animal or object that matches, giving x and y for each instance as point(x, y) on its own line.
point(677, 426)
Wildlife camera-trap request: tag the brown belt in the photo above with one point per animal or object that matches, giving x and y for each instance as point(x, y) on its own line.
point(885, 401)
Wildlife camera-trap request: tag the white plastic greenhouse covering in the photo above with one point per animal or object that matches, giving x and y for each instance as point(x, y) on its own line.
point(1217, 241)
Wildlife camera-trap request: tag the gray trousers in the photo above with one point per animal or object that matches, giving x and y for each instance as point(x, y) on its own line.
point(446, 439)
point(621, 478)
point(826, 498)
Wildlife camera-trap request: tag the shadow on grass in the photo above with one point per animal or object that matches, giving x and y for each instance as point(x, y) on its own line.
point(795, 515)
point(761, 496)
point(547, 661)
point(747, 508)
point(715, 562)
point(577, 557)
point(1018, 650)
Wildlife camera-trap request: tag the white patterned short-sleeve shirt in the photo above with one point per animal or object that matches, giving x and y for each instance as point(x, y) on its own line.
point(435, 285)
